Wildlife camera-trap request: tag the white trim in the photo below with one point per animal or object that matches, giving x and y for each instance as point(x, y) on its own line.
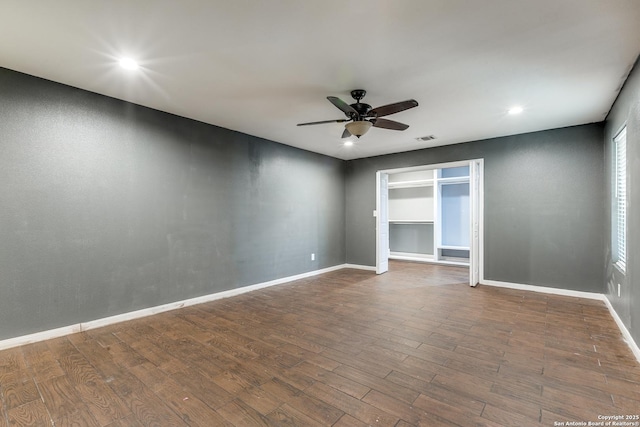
point(579, 294)
point(476, 255)
point(625, 332)
point(543, 289)
point(39, 336)
point(449, 261)
point(620, 199)
point(428, 167)
point(382, 222)
point(93, 324)
point(476, 261)
point(359, 267)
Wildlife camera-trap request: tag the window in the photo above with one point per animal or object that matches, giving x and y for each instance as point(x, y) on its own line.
point(620, 201)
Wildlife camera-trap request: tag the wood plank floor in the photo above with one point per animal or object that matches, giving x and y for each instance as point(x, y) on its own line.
point(415, 346)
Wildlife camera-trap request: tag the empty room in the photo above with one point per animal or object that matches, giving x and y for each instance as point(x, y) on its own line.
point(319, 213)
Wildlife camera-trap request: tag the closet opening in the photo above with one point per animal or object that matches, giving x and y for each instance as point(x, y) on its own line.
point(431, 213)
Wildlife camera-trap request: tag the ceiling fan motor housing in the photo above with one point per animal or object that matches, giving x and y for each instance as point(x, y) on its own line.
point(361, 108)
point(358, 94)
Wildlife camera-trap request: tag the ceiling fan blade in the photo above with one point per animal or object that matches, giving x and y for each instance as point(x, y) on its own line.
point(323, 121)
point(346, 133)
point(346, 108)
point(388, 124)
point(385, 110)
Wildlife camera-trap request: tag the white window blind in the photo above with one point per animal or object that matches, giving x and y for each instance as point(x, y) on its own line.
point(620, 212)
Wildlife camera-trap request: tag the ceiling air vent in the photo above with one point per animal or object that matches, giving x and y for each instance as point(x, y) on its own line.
point(426, 138)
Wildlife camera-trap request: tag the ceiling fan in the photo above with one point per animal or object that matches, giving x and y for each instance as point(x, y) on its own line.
point(361, 117)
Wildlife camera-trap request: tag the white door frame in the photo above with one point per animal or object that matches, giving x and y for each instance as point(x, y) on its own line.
point(382, 222)
point(476, 191)
point(476, 254)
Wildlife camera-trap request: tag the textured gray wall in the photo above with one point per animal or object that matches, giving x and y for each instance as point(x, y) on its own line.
point(626, 110)
point(544, 213)
point(107, 207)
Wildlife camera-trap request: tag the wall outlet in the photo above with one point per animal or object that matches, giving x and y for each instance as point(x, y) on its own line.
point(618, 290)
point(313, 257)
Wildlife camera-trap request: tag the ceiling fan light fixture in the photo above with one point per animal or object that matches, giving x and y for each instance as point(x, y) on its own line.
point(358, 128)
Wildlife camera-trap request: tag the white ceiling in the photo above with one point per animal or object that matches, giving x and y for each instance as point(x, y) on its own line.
point(261, 67)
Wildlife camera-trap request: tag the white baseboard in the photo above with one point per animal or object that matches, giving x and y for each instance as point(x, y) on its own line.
point(625, 332)
point(39, 336)
point(93, 324)
point(543, 289)
point(359, 267)
point(579, 294)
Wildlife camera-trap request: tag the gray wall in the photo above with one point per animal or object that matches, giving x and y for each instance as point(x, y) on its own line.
point(411, 238)
point(107, 207)
point(543, 205)
point(626, 110)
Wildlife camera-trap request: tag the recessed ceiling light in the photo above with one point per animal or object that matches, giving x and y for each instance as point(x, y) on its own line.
point(128, 64)
point(515, 110)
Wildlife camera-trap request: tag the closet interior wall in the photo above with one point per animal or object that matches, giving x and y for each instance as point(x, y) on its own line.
point(429, 215)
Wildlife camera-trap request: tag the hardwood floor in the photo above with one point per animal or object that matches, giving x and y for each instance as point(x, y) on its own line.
point(415, 346)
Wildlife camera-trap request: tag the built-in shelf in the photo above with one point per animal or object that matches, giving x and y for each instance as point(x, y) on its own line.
point(405, 256)
point(413, 183)
point(427, 182)
point(427, 208)
point(455, 248)
point(454, 180)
